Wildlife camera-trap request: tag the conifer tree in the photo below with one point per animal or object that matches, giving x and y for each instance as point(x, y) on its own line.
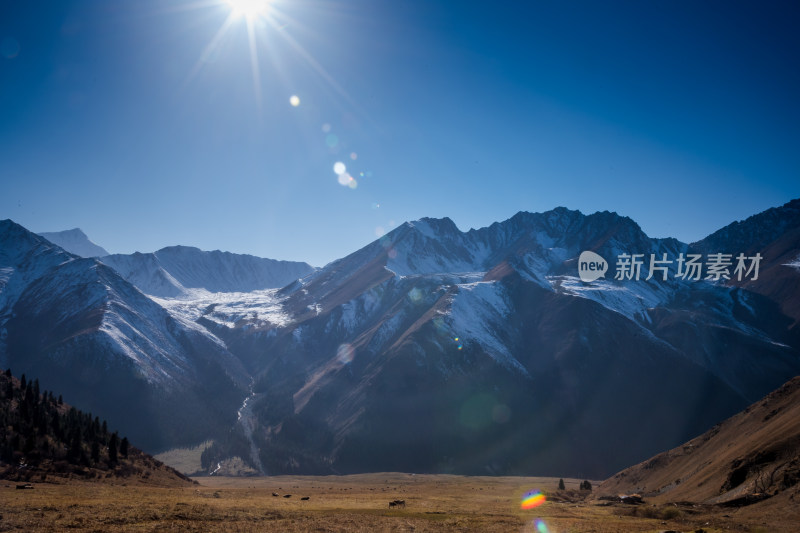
point(112, 449)
point(95, 452)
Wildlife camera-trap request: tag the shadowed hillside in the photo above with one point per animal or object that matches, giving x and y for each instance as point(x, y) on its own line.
point(44, 439)
point(751, 457)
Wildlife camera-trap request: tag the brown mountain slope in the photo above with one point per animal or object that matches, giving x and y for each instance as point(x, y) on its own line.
point(753, 455)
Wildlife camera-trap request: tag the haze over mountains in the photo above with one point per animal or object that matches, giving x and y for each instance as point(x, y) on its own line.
point(75, 242)
point(176, 270)
point(430, 349)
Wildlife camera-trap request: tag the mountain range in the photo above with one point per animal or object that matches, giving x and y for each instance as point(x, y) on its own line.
point(428, 350)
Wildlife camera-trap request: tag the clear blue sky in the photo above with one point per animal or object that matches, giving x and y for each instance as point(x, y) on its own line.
point(149, 123)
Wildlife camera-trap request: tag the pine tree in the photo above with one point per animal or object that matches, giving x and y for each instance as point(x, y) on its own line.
point(75, 446)
point(30, 444)
point(123, 447)
point(29, 398)
point(112, 449)
point(95, 452)
point(561, 484)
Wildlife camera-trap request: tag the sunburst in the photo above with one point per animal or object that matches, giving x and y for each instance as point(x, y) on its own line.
point(260, 18)
point(250, 9)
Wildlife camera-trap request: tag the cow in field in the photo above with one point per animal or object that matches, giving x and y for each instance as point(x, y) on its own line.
point(397, 503)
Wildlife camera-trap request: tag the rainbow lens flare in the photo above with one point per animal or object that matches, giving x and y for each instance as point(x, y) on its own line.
point(540, 526)
point(532, 499)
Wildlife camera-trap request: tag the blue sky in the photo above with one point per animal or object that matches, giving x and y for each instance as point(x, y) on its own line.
point(150, 123)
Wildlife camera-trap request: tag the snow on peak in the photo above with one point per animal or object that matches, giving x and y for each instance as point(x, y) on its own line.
point(479, 313)
point(177, 270)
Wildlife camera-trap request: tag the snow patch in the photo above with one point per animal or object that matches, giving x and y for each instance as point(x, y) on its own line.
point(631, 299)
point(228, 308)
point(477, 311)
point(794, 264)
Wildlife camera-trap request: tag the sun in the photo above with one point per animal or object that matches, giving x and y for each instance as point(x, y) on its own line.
point(249, 8)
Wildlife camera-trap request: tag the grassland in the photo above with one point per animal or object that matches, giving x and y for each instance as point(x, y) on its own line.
point(357, 503)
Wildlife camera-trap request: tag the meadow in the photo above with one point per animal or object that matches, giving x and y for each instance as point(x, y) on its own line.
point(355, 503)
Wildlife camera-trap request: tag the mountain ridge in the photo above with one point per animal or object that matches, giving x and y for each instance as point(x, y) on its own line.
point(397, 305)
point(84, 330)
point(432, 349)
point(175, 271)
point(75, 241)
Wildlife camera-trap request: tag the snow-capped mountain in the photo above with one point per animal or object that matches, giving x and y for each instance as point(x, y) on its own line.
point(75, 242)
point(178, 271)
point(482, 351)
point(430, 349)
point(82, 329)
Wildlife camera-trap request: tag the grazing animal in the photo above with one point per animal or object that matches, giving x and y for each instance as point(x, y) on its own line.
point(287, 495)
point(275, 494)
point(397, 503)
point(305, 498)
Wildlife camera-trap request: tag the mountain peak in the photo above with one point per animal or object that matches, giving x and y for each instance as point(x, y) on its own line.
point(16, 241)
point(436, 227)
point(76, 242)
point(179, 248)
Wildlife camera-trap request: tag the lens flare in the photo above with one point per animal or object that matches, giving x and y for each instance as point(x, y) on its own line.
point(353, 156)
point(294, 100)
point(532, 499)
point(339, 167)
point(540, 526)
point(326, 128)
point(345, 353)
point(331, 140)
point(501, 413)
point(344, 179)
point(415, 295)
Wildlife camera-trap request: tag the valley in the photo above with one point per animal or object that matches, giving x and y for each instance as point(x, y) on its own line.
point(359, 503)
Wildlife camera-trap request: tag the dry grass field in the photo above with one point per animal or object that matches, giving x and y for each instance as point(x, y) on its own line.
point(358, 503)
